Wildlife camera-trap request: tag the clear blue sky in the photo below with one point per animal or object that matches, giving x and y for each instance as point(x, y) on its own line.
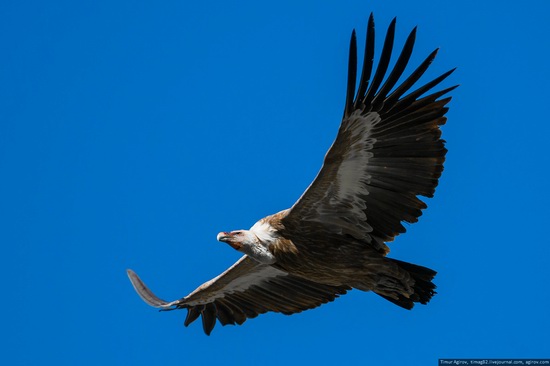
point(132, 132)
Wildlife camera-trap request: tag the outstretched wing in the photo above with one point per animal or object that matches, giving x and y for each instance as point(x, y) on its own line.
point(246, 289)
point(387, 152)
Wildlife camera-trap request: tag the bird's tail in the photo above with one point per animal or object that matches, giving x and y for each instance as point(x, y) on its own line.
point(421, 289)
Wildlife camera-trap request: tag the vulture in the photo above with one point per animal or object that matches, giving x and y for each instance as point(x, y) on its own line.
point(387, 153)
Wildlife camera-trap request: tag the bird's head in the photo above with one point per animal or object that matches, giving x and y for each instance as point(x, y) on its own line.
point(237, 239)
point(247, 242)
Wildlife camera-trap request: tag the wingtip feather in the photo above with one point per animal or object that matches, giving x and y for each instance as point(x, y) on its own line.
point(144, 292)
point(352, 74)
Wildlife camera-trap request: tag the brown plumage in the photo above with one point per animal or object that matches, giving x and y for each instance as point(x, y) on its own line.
point(388, 151)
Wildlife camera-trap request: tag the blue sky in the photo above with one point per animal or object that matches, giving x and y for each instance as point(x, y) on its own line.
point(132, 132)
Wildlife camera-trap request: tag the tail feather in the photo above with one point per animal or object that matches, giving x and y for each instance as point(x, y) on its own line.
point(423, 286)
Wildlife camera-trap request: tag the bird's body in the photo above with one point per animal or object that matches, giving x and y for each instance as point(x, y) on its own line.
point(352, 264)
point(306, 257)
point(388, 151)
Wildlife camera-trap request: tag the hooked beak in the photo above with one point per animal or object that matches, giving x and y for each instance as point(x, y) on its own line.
point(223, 236)
point(229, 239)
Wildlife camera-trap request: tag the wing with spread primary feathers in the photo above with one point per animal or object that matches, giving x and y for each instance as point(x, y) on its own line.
point(244, 291)
point(387, 152)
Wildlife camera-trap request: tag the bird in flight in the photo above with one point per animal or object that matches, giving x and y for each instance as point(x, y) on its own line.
point(388, 151)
